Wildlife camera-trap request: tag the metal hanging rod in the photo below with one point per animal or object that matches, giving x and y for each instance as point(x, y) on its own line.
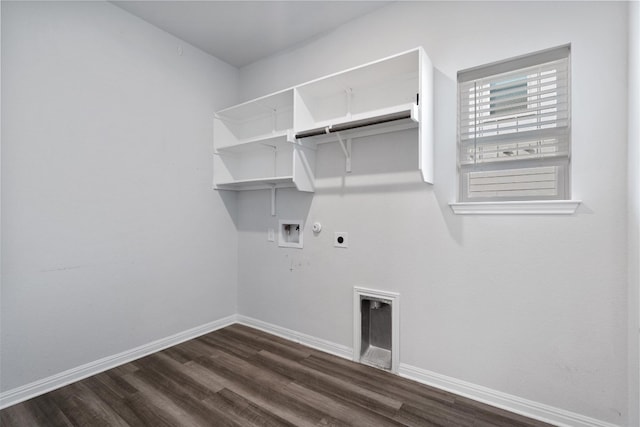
point(355, 124)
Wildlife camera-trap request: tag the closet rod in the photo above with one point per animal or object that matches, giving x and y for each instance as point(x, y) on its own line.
point(355, 124)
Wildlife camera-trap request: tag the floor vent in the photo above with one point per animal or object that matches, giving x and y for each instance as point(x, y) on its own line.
point(376, 328)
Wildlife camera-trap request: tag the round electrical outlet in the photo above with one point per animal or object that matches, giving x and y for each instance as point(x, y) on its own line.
point(341, 240)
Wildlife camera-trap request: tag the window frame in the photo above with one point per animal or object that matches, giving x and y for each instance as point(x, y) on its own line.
point(561, 160)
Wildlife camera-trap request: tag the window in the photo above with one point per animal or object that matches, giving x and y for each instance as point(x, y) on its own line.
point(514, 129)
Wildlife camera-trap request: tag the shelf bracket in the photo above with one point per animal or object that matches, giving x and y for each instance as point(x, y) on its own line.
point(349, 93)
point(274, 120)
point(275, 159)
point(273, 200)
point(347, 152)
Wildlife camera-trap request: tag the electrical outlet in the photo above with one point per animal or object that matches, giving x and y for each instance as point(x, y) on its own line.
point(340, 240)
point(271, 235)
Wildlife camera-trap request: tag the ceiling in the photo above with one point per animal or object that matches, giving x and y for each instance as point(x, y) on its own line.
point(242, 32)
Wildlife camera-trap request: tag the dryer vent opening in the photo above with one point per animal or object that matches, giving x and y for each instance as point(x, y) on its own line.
point(376, 328)
point(376, 332)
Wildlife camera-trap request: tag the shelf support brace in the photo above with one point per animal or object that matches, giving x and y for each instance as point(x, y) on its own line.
point(349, 92)
point(273, 200)
point(347, 152)
point(274, 120)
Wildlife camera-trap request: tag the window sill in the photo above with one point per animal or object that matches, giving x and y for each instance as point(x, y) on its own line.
point(532, 207)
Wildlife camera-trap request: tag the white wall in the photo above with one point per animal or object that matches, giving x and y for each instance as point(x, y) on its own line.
point(112, 236)
point(532, 306)
point(634, 213)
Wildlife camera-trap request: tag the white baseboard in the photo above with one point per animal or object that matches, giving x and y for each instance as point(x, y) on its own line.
point(511, 403)
point(36, 388)
point(308, 340)
point(528, 408)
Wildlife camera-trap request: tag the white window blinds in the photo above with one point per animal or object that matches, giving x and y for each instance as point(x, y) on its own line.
point(513, 128)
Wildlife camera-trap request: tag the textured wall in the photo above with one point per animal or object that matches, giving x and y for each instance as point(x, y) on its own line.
point(533, 306)
point(112, 236)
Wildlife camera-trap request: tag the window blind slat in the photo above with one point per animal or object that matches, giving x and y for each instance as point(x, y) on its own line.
point(483, 120)
point(543, 146)
point(515, 179)
point(510, 194)
point(513, 186)
point(540, 181)
point(490, 103)
point(509, 154)
point(514, 172)
point(506, 126)
point(560, 132)
point(533, 79)
point(499, 157)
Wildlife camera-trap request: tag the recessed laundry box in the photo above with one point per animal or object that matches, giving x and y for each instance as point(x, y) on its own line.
point(376, 328)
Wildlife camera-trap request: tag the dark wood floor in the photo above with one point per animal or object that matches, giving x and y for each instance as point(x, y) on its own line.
point(239, 376)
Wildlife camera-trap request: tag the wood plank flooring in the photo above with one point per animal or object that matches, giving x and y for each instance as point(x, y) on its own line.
point(239, 376)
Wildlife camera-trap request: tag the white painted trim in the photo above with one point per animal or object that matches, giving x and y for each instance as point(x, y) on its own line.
point(36, 388)
point(528, 408)
point(394, 297)
point(531, 207)
point(515, 404)
point(308, 340)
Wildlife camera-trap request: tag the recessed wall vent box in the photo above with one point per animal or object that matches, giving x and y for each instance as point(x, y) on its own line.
point(376, 328)
point(290, 234)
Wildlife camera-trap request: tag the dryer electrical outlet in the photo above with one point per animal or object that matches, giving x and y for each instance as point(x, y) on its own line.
point(341, 239)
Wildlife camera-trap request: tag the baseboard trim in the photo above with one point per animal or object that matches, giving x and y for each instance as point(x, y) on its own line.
point(528, 408)
point(36, 388)
point(308, 340)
